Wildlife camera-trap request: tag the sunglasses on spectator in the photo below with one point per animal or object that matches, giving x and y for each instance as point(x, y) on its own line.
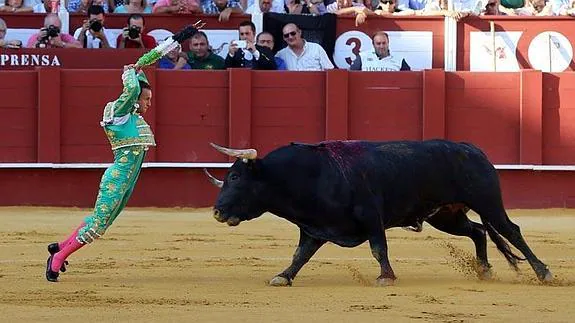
point(386, 2)
point(491, 4)
point(291, 33)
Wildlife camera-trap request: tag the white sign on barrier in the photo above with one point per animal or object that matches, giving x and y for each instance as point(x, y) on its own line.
point(548, 51)
point(483, 45)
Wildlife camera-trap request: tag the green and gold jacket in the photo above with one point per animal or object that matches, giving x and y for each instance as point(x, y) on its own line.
point(124, 127)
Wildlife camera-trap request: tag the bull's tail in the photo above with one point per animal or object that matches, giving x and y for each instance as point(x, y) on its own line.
point(503, 247)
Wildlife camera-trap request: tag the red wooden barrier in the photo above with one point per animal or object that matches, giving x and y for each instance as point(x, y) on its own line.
point(52, 116)
point(517, 118)
point(484, 108)
point(18, 107)
point(558, 119)
point(170, 187)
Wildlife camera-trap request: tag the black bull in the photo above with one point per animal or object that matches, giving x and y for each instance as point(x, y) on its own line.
point(349, 192)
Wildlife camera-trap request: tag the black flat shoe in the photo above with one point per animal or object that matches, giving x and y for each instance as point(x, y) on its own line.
point(51, 276)
point(54, 248)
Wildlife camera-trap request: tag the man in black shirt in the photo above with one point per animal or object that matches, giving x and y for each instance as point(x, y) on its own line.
point(251, 56)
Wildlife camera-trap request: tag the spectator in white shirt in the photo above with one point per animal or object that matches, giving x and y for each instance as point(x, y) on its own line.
point(93, 34)
point(536, 8)
point(468, 7)
point(346, 7)
point(412, 4)
point(301, 55)
point(564, 9)
point(5, 43)
point(379, 59)
point(264, 6)
point(42, 7)
point(276, 6)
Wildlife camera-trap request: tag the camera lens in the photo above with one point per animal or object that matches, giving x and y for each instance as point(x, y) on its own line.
point(96, 25)
point(53, 31)
point(134, 32)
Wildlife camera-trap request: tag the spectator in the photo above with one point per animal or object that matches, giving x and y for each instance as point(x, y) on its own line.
point(492, 9)
point(93, 34)
point(81, 6)
point(252, 56)
point(563, 9)
point(44, 6)
point(512, 4)
point(412, 4)
point(388, 8)
point(223, 8)
point(263, 6)
point(178, 6)
point(50, 36)
point(301, 55)
point(536, 8)
point(15, 6)
point(337, 6)
point(200, 56)
point(468, 7)
point(345, 7)
point(435, 8)
point(133, 35)
point(266, 39)
point(4, 43)
point(134, 6)
point(174, 61)
point(298, 7)
point(113, 4)
point(379, 59)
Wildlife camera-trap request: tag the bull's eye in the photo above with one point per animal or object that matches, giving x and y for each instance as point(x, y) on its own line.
point(234, 177)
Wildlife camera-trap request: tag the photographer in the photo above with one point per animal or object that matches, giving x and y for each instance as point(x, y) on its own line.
point(50, 36)
point(7, 43)
point(15, 6)
point(93, 34)
point(297, 7)
point(246, 53)
point(133, 35)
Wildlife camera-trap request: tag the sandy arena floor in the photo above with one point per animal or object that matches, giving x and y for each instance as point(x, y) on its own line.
point(158, 265)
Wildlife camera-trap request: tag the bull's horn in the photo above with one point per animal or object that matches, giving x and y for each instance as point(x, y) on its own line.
point(214, 180)
point(239, 153)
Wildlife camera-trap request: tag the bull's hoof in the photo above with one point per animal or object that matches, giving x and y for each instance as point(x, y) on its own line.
point(484, 273)
point(547, 278)
point(384, 281)
point(279, 281)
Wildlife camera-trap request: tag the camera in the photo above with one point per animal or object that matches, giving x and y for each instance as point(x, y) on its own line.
point(13, 44)
point(241, 44)
point(96, 25)
point(51, 32)
point(133, 32)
